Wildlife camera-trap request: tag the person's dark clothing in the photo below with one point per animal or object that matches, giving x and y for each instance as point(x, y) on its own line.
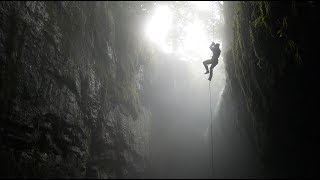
point(213, 61)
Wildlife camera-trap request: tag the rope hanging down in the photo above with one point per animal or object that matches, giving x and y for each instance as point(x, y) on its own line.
point(211, 132)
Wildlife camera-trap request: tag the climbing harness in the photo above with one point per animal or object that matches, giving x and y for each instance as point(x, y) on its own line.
point(211, 133)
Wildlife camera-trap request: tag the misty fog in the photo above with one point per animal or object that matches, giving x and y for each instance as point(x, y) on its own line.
point(118, 89)
point(179, 97)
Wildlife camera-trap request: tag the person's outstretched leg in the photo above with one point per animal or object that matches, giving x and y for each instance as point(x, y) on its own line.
point(211, 69)
point(205, 63)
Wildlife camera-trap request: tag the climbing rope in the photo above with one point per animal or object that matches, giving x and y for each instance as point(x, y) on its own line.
point(211, 132)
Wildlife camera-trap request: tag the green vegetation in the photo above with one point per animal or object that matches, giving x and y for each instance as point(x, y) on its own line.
point(261, 15)
point(262, 18)
point(265, 49)
point(292, 47)
point(282, 32)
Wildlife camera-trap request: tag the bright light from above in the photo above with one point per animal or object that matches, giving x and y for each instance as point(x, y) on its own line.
point(158, 27)
point(202, 5)
point(185, 30)
point(195, 39)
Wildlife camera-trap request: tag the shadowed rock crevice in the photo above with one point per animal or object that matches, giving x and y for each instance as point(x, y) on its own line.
point(270, 66)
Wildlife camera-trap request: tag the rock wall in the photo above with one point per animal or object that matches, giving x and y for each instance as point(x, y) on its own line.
point(70, 91)
point(271, 91)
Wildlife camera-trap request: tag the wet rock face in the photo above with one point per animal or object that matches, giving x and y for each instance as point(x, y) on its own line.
point(68, 89)
point(271, 69)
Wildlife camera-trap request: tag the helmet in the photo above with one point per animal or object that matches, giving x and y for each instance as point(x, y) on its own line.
point(217, 44)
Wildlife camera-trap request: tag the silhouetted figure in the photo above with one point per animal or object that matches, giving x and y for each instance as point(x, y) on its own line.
point(214, 60)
